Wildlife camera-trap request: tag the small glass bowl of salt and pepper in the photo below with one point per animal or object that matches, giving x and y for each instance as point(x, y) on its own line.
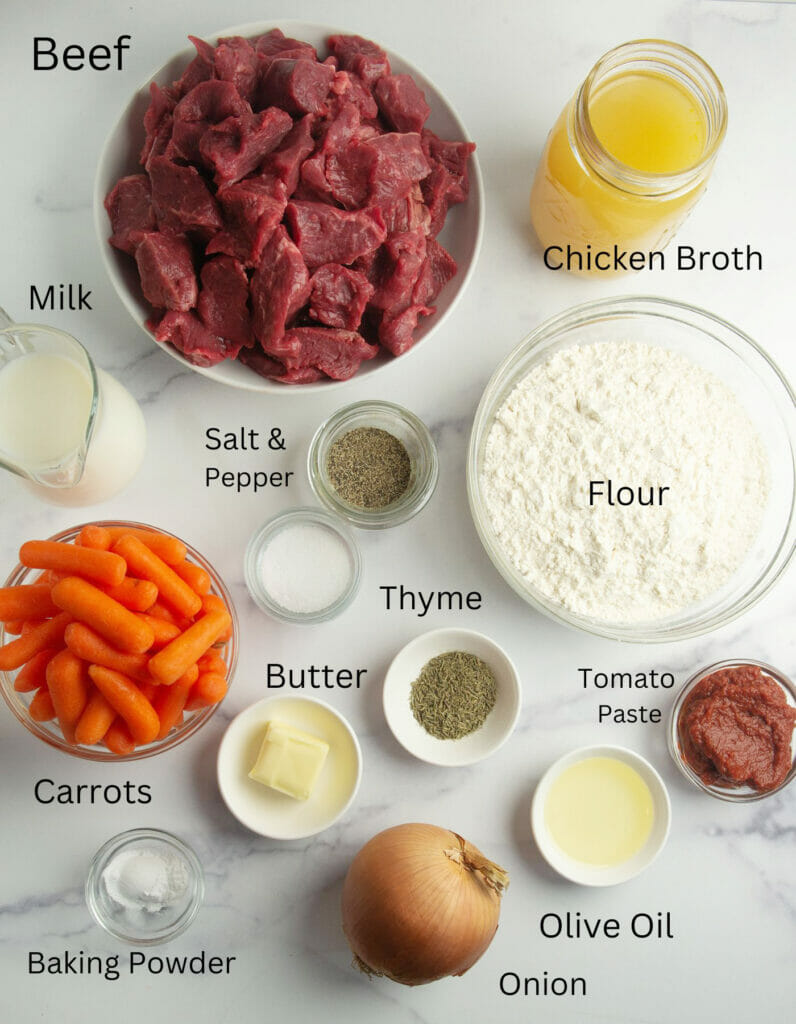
point(373, 463)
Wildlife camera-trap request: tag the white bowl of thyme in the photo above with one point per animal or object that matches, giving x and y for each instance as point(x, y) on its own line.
point(452, 697)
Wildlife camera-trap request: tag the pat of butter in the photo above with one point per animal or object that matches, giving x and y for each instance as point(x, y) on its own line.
point(289, 760)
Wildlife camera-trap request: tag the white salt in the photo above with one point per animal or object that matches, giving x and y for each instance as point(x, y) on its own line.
point(306, 568)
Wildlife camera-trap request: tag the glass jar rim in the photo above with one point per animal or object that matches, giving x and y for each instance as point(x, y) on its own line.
point(673, 61)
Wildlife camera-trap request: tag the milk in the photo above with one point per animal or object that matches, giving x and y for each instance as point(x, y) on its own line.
point(46, 403)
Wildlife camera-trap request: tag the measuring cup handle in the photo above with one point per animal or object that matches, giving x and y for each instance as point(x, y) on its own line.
point(5, 319)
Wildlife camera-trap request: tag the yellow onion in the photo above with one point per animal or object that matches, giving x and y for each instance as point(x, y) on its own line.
point(420, 903)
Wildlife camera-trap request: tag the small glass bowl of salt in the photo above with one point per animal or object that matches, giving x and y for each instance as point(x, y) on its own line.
point(145, 886)
point(303, 566)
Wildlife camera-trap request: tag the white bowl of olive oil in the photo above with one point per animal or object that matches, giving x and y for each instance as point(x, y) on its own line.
point(600, 815)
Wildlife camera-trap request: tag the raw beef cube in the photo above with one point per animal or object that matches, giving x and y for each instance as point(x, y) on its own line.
point(286, 161)
point(348, 173)
point(165, 266)
point(189, 336)
point(236, 61)
point(236, 146)
point(156, 118)
point(361, 56)
point(274, 370)
point(297, 86)
point(448, 182)
point(276, 43)
point(252, 209)
point(325, 234)
point(401, 102)
point(206, 105)
point(199, 70)
point(129, 206)
point(337, 353)
point(437, 270)
point(349, 88)
point(180, 198)
point(396, 330)
point(279, 288)
point(407, 213)
point(403, 256)
point(336, 135)
point(400, 163)
point(223, 300)
point(338, 296)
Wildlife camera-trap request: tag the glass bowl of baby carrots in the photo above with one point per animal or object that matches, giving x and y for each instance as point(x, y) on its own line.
point(118, 640)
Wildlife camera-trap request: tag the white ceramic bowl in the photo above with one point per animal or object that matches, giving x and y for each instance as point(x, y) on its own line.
point(406, 667)
point(273, 814)
point(461, 235)
point(590, 874)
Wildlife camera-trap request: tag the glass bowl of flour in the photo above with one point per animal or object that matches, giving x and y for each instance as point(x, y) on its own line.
point(632, 470)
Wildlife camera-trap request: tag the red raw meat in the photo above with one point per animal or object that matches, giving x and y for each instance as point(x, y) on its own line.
point(252, 209)
point(401, 102)
point(361, 56)
point(157, 120)
point(325, 234)
point(189, 336)
point(285, 162)
point(129, 206)
point(338, 296)
point(448, 182)
point(402, 258)
point(274, 370)
point(349, 88)
point(275, 43)
point(400, 163)
point(337, 353)
point(236, 146)
point(180, 198)
point(165, 265)
point(223, 301)
point(279, 288)
point(437, 270)
point(199, 70)
point(236, 61)
point(297, 86)
point(205, 105)
point(396, 330)
point(407, 213)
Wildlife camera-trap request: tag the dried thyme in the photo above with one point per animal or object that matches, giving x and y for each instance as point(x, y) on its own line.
point(369, 467)
point(453, 695)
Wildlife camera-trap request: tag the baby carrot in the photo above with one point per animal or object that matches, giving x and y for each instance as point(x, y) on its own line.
point(99, 566)
point(107, 617)
point(208, 689)
point(212, 602)
point(137, 595)
point(68, 686)
point(41, 707)
point(93, 536)
point(164, 631)
point(95, 721)
point(33, 674)
point(146, 564)
point(185, 650)
point(48, 634)
point(14, 626)
point(91, 647)
point(127, 700)
point(170, 704)
point(213, 662)
point(195, 576)
point(160, 611)
point(149, 690)
point(32, 602)
point(118, 739)
point(169, 548)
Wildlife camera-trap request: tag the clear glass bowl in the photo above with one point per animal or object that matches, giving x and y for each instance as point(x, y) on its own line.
point(734, 794)
point(266, 534)
point(409, 430)
point(736, 360)
point(192, 722)
point(144, 927)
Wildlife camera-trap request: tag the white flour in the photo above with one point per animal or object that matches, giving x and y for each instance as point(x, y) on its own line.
point(641, 416)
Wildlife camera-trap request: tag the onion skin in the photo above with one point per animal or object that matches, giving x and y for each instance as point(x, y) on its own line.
point(420, 903)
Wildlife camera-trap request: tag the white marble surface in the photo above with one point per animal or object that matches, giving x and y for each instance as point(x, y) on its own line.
point(726, 876)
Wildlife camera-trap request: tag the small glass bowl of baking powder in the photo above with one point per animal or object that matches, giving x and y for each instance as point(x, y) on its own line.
point(303, 566)
point(145, 886)
point(408, 433)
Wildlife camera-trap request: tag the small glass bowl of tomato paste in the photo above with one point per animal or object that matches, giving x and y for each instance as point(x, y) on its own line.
point(731, 731)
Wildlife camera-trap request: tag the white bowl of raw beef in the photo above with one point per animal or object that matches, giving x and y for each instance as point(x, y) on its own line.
point(460, 237)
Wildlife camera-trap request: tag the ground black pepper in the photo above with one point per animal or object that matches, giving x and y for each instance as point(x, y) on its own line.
point(369, 467)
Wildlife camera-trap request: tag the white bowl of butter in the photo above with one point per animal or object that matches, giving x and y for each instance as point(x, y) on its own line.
point(289, 767)
point(600, 815)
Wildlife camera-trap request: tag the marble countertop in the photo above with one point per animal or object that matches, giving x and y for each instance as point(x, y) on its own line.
point(726, 876)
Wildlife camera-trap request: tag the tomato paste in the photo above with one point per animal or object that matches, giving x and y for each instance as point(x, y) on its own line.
point(736, 729)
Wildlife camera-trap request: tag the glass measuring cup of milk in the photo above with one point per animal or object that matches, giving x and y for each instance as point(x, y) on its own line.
point(68, 428)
